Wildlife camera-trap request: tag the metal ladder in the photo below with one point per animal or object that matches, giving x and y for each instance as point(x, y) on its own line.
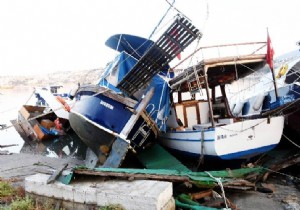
point(174, 40)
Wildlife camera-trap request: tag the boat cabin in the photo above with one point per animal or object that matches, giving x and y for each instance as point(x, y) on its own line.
point(199, 96)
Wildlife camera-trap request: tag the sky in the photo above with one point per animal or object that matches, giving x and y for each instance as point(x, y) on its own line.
point(44, 36)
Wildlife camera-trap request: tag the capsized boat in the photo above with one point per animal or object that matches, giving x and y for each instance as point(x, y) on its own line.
point(202, 124)
point(123, 110)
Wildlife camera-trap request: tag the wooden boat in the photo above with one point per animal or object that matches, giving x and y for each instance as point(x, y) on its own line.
point(209, 127)
point(119, 112)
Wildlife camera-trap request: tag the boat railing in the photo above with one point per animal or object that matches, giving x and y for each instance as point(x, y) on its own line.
point(225, 50)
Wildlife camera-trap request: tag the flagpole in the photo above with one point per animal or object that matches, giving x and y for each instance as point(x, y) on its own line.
point(270, 53)
point(275, 84)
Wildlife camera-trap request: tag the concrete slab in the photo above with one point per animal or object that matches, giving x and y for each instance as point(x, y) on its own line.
point(137, 194)
point(19, 166)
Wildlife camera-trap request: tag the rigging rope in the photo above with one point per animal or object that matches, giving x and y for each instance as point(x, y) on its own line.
point(171, 6)
point(291, 141)
point(221, 186)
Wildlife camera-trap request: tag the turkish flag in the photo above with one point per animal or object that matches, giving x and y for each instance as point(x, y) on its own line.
point(270, 51)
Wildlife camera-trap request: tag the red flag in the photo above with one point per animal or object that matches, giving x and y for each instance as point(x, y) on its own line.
point(174, 33)
point(270, 52)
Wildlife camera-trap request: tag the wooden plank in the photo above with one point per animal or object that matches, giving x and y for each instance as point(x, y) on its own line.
point(172, 178)
point(56, 174)
point(202, 194)
point(283, 164)
point(141, 107)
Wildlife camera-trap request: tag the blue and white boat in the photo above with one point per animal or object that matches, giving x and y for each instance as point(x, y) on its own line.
point(202, 124)
point(261, 99)
point(127, 107)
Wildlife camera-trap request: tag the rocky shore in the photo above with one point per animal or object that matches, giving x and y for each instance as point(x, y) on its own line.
point(57, 78)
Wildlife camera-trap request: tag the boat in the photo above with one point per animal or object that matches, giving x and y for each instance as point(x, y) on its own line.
point(122, 110)
point(263, 99)
point(47, 118)
point(201, 123)
point(38, 123)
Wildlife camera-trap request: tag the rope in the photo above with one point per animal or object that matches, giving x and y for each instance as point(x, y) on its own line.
point(221, 186)
point(283, 174)
point(29, 97)
point(201, 159)
point(261, 75)
point(171, 5)
point(291, 141)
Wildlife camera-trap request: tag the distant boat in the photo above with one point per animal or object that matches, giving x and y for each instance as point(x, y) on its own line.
point(122, 111)
point(206, 127)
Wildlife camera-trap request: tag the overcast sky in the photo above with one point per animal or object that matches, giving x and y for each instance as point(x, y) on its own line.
point(42, 36)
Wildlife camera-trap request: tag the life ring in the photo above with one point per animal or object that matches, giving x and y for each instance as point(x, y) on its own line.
point(64, 103)
point(283, 69)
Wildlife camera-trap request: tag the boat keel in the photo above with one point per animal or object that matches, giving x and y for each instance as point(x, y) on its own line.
point(118, 152)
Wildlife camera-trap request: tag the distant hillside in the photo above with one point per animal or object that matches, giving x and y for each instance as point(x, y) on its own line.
point(57, 78)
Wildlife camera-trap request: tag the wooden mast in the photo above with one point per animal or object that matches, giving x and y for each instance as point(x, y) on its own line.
point(208, 97)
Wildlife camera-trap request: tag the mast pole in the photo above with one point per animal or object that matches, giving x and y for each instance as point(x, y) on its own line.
point(208, 98)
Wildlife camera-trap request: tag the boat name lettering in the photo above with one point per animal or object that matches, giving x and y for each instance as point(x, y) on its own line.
point(232, 135)
point(107, 105)
point(223, 136)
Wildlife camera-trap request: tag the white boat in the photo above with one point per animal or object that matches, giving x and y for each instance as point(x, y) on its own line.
point(208, 126)
point(237, 140)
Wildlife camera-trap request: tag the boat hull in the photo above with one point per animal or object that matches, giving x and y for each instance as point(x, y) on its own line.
point(99, 121)
point(238, 140)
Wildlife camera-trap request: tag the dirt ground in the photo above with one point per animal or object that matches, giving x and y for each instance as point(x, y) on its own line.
point(285, 195)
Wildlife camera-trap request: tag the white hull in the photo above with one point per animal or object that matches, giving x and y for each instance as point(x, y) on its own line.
point(232, 141)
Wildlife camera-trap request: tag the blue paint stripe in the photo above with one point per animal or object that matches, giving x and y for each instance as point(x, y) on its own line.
point(176, 139)
point(236, 155)
point(244, 154)
point(192, 131)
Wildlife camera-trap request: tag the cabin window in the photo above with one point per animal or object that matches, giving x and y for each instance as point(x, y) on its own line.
point(188, 97)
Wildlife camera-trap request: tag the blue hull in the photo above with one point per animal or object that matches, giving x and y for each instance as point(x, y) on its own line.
point(232, 156)
point(103, 111)
point(98, 120)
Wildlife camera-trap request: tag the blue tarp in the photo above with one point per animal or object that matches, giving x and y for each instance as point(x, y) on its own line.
point(116, 70)
point(159, 105)
point(134, 46)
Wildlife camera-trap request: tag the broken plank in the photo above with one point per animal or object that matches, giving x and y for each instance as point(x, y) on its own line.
point(278, 166)
point(172, 178)
point(56, 174)
point(202, 194)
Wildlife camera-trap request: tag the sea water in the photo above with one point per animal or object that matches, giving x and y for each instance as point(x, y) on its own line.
point(11, 100)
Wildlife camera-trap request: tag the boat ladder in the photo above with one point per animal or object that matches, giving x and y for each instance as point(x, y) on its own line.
point(174, 40)
point(144, 131)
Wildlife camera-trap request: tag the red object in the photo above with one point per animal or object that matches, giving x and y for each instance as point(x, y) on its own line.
point(64, 103)
point(176, 47)
point(270, 51)
point(58, 124)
